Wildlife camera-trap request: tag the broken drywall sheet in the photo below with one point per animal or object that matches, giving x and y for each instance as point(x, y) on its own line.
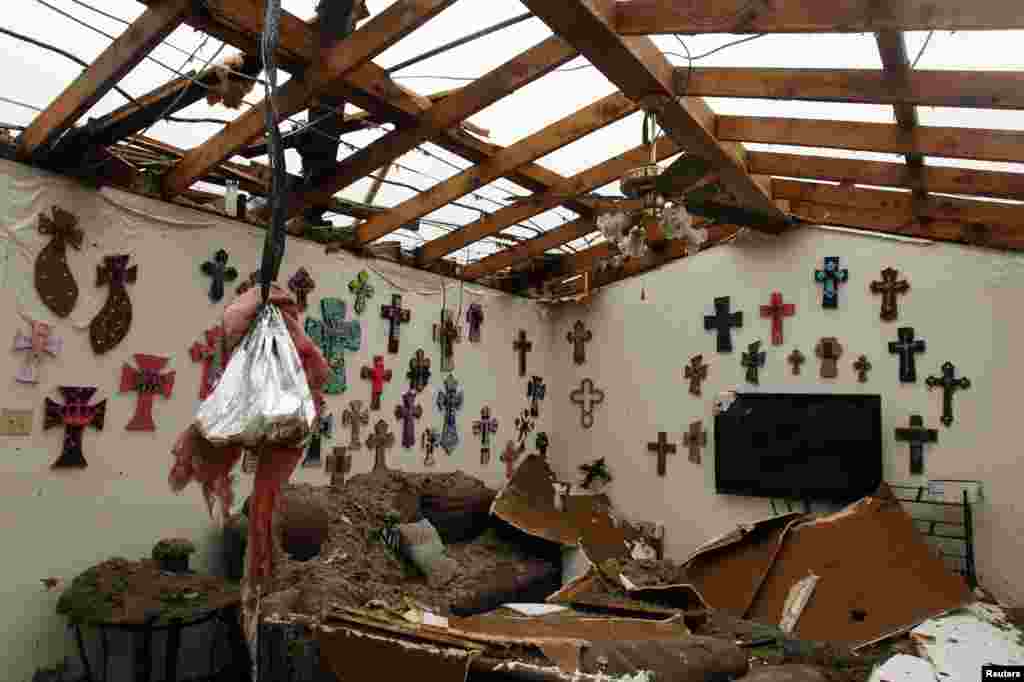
point(588, 591)
point(796, 601)
point(904, 668)
point(960, 643)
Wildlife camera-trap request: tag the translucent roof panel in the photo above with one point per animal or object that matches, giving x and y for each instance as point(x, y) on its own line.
point(997, 119)
point(597, 147)
point(835, 111)
point(968, 50)
point(834, 50)
point(823, 151)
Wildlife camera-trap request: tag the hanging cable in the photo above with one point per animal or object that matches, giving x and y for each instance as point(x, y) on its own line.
point(924, 46)
point(461, 41)
point(274, 241)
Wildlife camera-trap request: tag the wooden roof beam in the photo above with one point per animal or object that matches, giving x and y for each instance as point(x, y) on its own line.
point(113, 64)
point(642, 17)
point(892, 48)
point(640, 70)
point(376, 35)
point(531, 248)
point(593, 117)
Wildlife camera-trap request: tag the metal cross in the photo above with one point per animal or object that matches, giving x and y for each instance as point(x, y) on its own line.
point(450, 400)
point(419, 371)
point(586, 396)
point(662, 448)
point(917, 436)
point(447, 334)
point(907, 346)
point(889, 286)
point(723, 321)
point(396, 315)
point(218, 269)
point(949, 385)
point(147, 381)
point(75, 414)
point(300, 284)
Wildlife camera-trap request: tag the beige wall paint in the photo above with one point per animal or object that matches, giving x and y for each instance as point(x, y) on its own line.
point(57, 523)
point(963, 302)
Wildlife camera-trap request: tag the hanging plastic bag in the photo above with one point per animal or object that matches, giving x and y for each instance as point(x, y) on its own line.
point(263, 397)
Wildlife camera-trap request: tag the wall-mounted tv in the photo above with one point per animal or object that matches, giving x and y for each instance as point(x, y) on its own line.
point(799, 445)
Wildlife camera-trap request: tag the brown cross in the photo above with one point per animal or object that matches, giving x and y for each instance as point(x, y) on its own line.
point(395, 314)
point(695, 439)
point(829, 350)
point(338, 464)
point(696, 372)
point(379, 441)
point(662, 448)
point(578, 337)
point(522, 346)
point(355, 417)
point(796, 358)
point(863, 367)
point(447, 333)
point(889, 286)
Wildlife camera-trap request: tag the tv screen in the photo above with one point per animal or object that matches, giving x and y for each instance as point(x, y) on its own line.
point(800, 445)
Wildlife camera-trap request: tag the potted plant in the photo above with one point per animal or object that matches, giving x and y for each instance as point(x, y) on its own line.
point(172, 554)
point(542, 443)
point(595, 475)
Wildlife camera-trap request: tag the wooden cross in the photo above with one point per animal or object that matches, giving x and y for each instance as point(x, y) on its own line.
point(695, 439)
point(831, 276)
point(917, 436)
point(450, 400)
point(220, 272)
point(355, 417)
point(323, 429)
point(907, 346)
point(447, 334)
point(334, 335)
point(696, 372)
point(509, 457)
point(829, 350)
point(522, 346)
point(777, 311)
point(796, 358)
point(723, 321)
point(535, 391)
point(863, 366)
point(148, 382)
point(75, 414)
point(524, 425)
point(889, 286)
point(361, 288)
point(662, 448)
point(408, 412)
point(396, 315)
point(39, 340)
point(419, 371)
point(55, 283)
point(300, 284)
point(211, 354)
point(475, 319)
point(379, 441)
point(377, 376)
point(579, 337)
point(484, 427)
point(586, 396)
point(753, 360)
point(338, 464)
point(429, 442)
point(949, 385)
point(112, 322)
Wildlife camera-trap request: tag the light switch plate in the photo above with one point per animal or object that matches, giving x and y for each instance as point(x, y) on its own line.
point(15, 422)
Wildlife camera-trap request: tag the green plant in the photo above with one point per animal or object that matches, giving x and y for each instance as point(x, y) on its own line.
point(595, 471)
point(83, 602)
point(173, 548)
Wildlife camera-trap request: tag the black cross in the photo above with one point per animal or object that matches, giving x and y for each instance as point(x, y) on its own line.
point(662, 448)
point(949, 386)
point(917, 436)
point(221, 272)
point(522, 346)
point(535, 391)
point(395, 314)
point(723, 321)
point(907, 346)
point(753, 360)
point(419, 371)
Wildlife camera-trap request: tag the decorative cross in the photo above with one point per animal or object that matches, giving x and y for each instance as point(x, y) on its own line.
point(829, 351)
point(429, 442)
point(395, 314)
point(250, 461)
point(753, 360)
point(408, 412)
point(300, 284)
point(723, 321)
point(449, 400)
point(579, 337)
point(338, 464)
point(695, 439)
point(917, 436)
point(447, 333)
point(211, 354)
point(323, 429)
point(509, 457)
point(54, 280)
point(218, 269)
point(334, 335)
point(475, 319)
point(522, 346)
point(379, 441)
point(524, 425)
point(75, 414)
point(376, 375)
point(889, 286)
point(39, 340)
point(148, 382)
point(587, 397)
point(796, 358)
point(777, 311)
point(696, 372)
point(831, 276)
point(419, 371)
point(863, 366)
point(535, 391)
point(662, 448)
point(484, 427)
point(949, 386)
point(907, 346)
point(355, 418)
point(112, 322)
point(361, 288)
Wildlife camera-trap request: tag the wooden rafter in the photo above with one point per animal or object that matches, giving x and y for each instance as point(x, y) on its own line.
point(892, 48)
point(523, 69)
point(594, 116)
point(378, 34)
point(639, 69)
point(958, 143)
point(120, 57)
point(640, 17)
point(531, 248)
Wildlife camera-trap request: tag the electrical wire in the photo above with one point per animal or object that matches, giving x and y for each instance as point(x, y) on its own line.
point(462, 41)
point(19, 104)
point(924, 46)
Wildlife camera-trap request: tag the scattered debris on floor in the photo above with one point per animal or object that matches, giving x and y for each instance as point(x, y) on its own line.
point(958, 644)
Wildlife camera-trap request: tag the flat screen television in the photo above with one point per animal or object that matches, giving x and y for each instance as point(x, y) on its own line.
point(799, 445)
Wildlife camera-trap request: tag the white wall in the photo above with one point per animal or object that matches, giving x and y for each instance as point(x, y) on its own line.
point(963, 302)
point(57, 523)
